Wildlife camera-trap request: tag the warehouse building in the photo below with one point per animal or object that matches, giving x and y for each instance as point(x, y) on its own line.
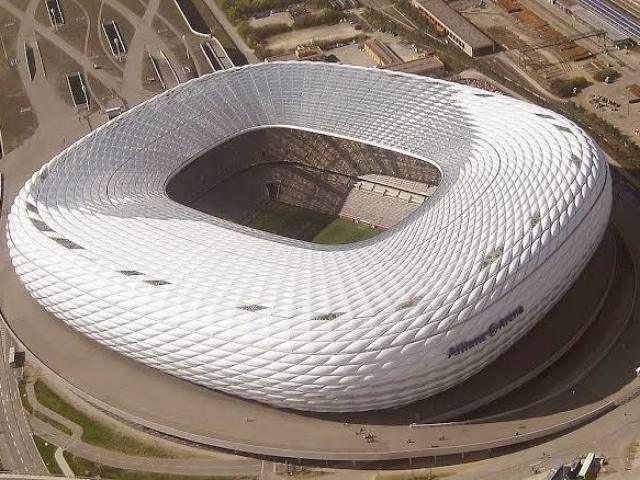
point(458, 29)
point(382, 55)
point(429, 65)
point(309, 53)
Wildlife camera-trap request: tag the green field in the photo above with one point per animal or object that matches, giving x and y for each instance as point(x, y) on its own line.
point(96, 432)
point(47, 451)
point(87, 468)
point(342, 230)
point(304, 224)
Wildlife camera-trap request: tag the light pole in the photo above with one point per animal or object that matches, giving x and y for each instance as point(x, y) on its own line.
point(53, 19)
point(3, 48)
point(116, 42)
point(186, 47)
point(84, 90)
point(628, 101)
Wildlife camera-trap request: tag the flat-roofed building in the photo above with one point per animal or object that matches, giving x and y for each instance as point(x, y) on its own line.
point(430, 65)
point(301, 52)
point(458, 29)
point(634, 93)
point(381, 54)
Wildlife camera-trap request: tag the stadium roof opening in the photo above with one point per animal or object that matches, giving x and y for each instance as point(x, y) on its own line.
point(263, 175)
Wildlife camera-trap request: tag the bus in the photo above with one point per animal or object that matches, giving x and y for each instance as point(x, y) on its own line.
point(556, 473)
point(587, 471)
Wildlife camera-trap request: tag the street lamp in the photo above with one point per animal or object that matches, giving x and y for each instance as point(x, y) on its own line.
point(116, 42)
point(186, 47)
point(86, 97)
point(53, 18)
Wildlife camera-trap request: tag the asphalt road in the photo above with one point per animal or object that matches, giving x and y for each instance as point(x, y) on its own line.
point(18, 452)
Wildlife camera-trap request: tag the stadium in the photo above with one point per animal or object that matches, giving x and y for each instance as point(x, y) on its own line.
point(486, 210)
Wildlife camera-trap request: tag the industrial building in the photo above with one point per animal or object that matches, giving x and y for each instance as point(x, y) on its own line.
point(309, 53)
point(428, 65)
point(381, 54)
point(458, 29)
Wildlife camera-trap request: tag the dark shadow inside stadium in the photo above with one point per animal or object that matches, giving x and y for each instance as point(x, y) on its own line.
point(305, 185)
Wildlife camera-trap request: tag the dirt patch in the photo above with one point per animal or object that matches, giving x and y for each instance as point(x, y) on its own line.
point(58, 65)
point(273, 19)
point(75, 29)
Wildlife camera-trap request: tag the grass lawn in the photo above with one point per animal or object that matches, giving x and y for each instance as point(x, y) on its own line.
point(22, 388)
point(288, 221)
point(342, 230)
point(202, 19)
point(96, 432)
point(47, 451)
point(74, 30)
point(87, 468)
point(304, 224)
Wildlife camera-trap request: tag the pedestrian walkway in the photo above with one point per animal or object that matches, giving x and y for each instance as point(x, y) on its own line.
point(212, 463)
point(62, 463)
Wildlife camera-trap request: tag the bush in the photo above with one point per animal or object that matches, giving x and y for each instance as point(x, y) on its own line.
point(255, 35)
point(326, 17)
point(238, 10)
point(602, 75)
point(568, 87)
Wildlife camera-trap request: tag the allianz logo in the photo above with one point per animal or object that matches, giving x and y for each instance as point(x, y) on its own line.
point(493, 329)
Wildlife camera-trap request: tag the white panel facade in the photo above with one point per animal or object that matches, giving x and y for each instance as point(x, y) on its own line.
point(523, 202)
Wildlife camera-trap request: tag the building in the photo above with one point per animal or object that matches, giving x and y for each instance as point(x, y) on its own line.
point(633, 93)
point(302, 52)
point(381, 54)
point(522, 204)
point(458, 29)
point(429, 65)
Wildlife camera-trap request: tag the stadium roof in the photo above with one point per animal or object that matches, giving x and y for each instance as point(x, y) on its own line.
point(523, 201)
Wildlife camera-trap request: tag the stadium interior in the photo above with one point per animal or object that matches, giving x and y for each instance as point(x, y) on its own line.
point(260, 175)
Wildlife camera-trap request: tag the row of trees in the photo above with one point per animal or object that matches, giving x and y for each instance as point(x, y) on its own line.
point(568, 87)
point(611, 73)
point(238, 10)
point(256, 35)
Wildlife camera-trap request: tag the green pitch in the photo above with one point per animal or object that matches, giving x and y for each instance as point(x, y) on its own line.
point(304, 224)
